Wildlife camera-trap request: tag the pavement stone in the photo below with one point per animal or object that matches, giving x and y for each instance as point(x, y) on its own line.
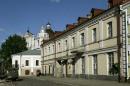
point(81, 82)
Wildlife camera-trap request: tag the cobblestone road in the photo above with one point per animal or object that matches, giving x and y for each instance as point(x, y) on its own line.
point(32, 82)
point(51, 81)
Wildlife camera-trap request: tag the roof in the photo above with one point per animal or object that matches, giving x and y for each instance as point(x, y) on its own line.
point(113, 3)
point(70, 26)
point(94, 13)
point(75, 25)
point(30, 52)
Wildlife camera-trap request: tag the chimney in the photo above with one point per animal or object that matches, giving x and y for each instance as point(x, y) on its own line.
point(112, 3)
point(96, 11)
point(82, 19)
point(88, 16)
point(70, 26)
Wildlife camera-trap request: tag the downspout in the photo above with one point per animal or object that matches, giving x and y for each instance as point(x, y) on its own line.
point(118, 43)
point(125, 11)
point(42, 49)
point(55, 58)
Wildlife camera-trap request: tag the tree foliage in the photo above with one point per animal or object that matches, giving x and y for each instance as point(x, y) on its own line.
point(13, 44)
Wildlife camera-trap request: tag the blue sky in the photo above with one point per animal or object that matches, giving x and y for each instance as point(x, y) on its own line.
point(17, 15)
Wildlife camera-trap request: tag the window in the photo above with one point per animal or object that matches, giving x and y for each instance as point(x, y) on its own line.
point(53, 49)
point(110, 60)
point(27, 62)
point(95, 64)
point(66, 44)
point(38, 42)
point(49, 49)
point(94, 35)
point(45, 51)
point(37, 62)
point(16, 64)
point(59, 46)
point(83, 65)
point(109, 29)
point(73, 42)
point(49, 69)
point(82, 38)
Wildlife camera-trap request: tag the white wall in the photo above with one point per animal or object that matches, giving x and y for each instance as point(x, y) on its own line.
point(32, 62)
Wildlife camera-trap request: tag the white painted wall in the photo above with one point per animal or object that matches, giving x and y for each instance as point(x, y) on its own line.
point(32, 62)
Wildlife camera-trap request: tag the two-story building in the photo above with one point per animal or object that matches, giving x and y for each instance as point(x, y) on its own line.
point(29, 62)
point(93, 47)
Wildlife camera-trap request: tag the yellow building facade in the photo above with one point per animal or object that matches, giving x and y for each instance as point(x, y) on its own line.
point(92, 49)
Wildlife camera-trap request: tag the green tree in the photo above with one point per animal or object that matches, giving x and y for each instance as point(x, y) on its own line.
point(13, 44)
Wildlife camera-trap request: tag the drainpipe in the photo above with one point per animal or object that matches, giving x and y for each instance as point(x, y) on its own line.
point(125, 12)
point(55, 58)
point(118, 44)
point(42, 52)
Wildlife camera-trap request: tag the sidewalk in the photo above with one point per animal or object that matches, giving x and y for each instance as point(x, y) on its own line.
point(81, 82)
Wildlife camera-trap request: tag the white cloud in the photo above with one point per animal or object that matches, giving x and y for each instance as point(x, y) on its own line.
point(56, 1)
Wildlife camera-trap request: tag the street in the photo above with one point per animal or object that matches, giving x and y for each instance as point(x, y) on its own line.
point(36, 82)
point(51, 81)
point(32, 82)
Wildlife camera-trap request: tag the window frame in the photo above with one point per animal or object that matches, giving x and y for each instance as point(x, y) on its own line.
point(37, 62)
point(59, 46)
point(66, 44)
point(82, 39)
point(95, 64)
point(110, 60)
point(73, 42)
point(109, 30)
point(94, 35)
point(26, 62)
point(16, 63)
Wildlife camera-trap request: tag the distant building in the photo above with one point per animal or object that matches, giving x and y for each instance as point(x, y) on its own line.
point(29, 62)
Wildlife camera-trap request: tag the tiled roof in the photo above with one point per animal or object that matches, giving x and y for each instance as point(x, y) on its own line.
point(30, 52)
point(113, 3)
point(96, 11)
point(70, 26)
point(81, 20)
point(57, 33)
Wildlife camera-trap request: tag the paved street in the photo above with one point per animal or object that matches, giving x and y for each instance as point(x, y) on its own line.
point(36, 82)
point(51, 81)
point(32, 82)
point(82, 82)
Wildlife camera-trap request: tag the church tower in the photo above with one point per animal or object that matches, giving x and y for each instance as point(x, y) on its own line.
point(44, 34)
point(29, 39)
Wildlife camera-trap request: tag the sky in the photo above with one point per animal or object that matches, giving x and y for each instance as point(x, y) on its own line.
point(17, 15)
